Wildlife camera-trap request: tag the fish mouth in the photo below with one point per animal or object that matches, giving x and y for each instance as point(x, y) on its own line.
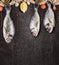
point(48, 29)
point(34, 33)
point(8, 38)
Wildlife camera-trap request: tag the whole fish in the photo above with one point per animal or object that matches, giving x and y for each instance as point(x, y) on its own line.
point(8, 26)
point(49, 20)
point(35, 23)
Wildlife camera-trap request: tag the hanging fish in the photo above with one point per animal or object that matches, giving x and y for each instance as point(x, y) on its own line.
point(49, 20)
point(35, 23)
point(8, 27)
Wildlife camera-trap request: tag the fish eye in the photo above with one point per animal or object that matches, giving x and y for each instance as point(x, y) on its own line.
point(48, 24)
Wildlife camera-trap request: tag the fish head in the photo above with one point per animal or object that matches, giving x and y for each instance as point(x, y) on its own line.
point(49, 27)
point(8, 38)
point(34, 32)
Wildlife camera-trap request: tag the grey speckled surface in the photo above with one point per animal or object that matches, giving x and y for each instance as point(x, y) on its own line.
point(24, 48)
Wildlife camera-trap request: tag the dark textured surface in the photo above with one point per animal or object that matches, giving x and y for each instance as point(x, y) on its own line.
point(24, 48)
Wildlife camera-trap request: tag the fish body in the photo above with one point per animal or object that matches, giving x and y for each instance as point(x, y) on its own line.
point(35, 24)
point(8, 27)
point(49, 20)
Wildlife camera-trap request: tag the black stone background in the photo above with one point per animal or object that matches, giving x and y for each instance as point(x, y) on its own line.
point(26, 49)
